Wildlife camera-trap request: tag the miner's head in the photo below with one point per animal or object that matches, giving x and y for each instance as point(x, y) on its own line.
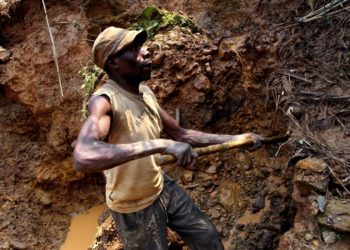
point(119, 51)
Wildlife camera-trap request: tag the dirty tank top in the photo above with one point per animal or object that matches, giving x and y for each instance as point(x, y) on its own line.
point(134, 185)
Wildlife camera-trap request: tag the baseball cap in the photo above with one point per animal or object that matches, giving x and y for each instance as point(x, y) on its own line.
point(113, 40)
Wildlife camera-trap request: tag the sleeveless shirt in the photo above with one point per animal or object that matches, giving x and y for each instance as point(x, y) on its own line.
point(136, 184)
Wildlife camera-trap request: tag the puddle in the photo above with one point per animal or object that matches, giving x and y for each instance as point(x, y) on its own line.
point(83, 229)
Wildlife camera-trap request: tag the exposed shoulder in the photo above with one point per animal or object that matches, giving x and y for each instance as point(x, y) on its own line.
point(99, 105)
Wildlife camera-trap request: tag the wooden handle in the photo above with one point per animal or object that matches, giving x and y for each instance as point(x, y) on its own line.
point(241, 142)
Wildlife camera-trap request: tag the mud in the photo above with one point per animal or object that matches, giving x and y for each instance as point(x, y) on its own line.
point(228, 78)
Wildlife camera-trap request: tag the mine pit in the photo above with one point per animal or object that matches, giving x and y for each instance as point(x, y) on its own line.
point(218, 66)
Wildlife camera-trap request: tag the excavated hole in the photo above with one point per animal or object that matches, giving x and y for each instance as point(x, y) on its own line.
point(218, 88)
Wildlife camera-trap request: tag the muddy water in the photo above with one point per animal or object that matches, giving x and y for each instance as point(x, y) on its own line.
point(83, 229)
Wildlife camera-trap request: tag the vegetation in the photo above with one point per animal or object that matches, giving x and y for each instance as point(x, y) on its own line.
point(91, 74)
point(153, 20)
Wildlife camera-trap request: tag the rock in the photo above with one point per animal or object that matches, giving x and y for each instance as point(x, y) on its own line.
point(244, 160)
point(229, 196)
point(43, 196)
point(18, 245)
point(5, 224)
point(206, 51)
point(225, 52)
point(4, 55)
point(296, 109)
point(258, 204)
point(202, 82)
point(186, 175)
point(212, 169)
point(321, 201)
point(5, 245)
point(308, 236)
point(158, 59)
point(313, 164)
point(336, 215)
point(329, 237)
point(215, 214)
point(307, 183)
point(316, 243)
point(208, 68)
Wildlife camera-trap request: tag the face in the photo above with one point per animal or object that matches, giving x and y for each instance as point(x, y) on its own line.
point(134, 63)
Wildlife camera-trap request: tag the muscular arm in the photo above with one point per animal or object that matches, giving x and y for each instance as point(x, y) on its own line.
point(92, 153)
point(193, 137)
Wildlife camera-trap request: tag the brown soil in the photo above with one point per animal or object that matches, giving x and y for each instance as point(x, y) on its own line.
point(242, 73)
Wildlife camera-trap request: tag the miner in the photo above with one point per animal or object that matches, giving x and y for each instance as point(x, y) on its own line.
point(121, 136)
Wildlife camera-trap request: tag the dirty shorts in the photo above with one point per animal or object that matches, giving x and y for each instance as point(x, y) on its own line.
point(147, 229)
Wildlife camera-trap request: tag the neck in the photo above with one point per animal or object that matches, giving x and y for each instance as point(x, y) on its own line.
point(127, 84)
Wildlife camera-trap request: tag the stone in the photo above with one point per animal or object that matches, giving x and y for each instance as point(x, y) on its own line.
point(244, 160)
point(306, 183)
point(158, 59)
point(225, 51)
point(212, 169)
point(5, 245)
point(321, 201)
point(329, 237)
point(43, 196)
point(258, 204)
point(336, 215)
point(186, 175)
point(308, 236)
point(18, 245)
point(4, 55)
point(315, 242)
point(229, 196)
point(208, 68)
point(313, 164)
point(202, 83)
point(215, 214)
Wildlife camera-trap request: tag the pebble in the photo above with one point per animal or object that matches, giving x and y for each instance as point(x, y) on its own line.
point(313, 164)
point(321, 201)
point(258, 204)
point(329, 237)
point(4, 55)
point(308, 236)
point(187, 176)
point(215, 214)
point(5, 245)
point(18, 245)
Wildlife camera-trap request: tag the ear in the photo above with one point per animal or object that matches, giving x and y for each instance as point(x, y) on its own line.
point(112, 64)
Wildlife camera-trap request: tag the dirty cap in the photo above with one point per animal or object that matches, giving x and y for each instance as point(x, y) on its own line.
point(113, 40)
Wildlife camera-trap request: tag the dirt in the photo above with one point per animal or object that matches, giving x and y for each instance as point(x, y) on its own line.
point(242, 72)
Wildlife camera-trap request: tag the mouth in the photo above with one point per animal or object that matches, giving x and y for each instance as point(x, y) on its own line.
point(147, 65)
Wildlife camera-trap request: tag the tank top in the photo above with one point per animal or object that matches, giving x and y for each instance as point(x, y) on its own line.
point(136, 184)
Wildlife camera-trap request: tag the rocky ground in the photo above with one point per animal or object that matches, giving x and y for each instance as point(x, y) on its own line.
point(243, 66)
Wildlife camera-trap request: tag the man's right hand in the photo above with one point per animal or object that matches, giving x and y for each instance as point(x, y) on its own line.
point(183, 152)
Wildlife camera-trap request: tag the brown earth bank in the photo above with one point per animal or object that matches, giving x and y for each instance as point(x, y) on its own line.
point(249, 67)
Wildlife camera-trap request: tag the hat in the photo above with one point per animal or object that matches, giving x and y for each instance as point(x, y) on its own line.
point(113, 40)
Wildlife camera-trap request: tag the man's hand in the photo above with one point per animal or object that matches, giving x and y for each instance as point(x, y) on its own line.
point(183, 152)
point(256, 139)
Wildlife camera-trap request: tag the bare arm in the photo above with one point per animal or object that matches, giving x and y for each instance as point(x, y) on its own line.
point(92, 153)
point(197, 138)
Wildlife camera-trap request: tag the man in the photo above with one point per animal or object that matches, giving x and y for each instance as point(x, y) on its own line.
point(120, 136)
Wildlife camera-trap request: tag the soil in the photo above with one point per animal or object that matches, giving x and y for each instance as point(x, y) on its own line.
point(250, 68)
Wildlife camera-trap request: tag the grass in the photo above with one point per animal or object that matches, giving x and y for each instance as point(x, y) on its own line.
point(90, 73)
point(154, 20)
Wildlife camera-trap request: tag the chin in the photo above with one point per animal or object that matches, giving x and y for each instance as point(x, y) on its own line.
point(146, 75)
